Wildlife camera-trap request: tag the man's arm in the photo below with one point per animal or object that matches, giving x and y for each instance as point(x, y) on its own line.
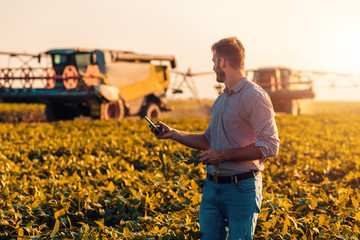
point(213, 156)
point(193, 140)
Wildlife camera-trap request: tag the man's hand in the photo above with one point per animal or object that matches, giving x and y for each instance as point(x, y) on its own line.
point(165, 130)
point(212, 157)
point(193, 140)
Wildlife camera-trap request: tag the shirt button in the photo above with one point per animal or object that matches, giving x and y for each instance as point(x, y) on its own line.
point(218, 141)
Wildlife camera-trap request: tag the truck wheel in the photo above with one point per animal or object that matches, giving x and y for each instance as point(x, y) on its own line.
point(50, 113)
point(152, 110)
point(113, 110)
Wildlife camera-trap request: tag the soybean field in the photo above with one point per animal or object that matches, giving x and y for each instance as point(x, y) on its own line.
point(95, 179)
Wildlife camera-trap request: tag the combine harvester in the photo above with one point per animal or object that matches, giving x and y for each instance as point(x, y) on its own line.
point(105, 84)
point(284, 86)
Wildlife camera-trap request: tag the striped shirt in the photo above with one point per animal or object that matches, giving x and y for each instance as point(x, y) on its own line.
point(239, 117)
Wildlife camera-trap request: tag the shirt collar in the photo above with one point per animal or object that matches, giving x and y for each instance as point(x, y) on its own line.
point(236, 88)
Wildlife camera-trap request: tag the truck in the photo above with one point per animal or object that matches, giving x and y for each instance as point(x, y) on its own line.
point(96, 83)
point(284, 86)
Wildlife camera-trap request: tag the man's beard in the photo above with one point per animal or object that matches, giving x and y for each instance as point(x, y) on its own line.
point(220, 75)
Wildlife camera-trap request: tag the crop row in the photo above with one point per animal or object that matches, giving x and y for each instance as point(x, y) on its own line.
point(12, 113)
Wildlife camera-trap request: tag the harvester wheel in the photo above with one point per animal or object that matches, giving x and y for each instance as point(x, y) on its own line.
point(50, 113)
point(26, 77)
point(49, 77)
point(56, 112)
point(113, 110)
point(70, 76)
point(151, 110)
point(7, 76)
point(91, 72)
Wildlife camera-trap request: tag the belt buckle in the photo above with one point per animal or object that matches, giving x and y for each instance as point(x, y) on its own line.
point(216, 179)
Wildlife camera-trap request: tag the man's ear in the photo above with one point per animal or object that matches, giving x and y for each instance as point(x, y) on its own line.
point(222, 62)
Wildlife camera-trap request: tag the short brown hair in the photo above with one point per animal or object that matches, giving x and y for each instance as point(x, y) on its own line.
point(232, 50)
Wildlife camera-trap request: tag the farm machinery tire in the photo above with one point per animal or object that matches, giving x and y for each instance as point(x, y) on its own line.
point(113, 110)
point(151, 110)
point(56, 112)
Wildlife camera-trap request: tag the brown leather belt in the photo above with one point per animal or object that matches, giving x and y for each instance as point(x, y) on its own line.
point(233, 178)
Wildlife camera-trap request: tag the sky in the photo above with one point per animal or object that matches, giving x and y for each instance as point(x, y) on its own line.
point(321, 35)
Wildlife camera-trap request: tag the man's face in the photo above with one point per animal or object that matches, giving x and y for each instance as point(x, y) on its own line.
point(220, 74)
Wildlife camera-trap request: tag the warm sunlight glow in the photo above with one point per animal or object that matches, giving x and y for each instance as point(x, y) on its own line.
point(343, 43)
point(302, 35)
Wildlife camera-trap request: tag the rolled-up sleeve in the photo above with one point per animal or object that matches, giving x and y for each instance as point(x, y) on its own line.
point(262, 119)
point(207, 134)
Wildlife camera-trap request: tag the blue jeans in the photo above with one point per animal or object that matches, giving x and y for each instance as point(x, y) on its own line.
point(232, 206)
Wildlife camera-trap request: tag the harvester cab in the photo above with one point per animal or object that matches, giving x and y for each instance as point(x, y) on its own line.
point(76, 64)
point(81, 59)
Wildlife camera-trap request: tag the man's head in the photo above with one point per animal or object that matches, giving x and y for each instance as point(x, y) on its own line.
point(228, 53)
point(230, 50)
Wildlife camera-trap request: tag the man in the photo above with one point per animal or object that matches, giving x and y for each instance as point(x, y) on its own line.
point(241, 134)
